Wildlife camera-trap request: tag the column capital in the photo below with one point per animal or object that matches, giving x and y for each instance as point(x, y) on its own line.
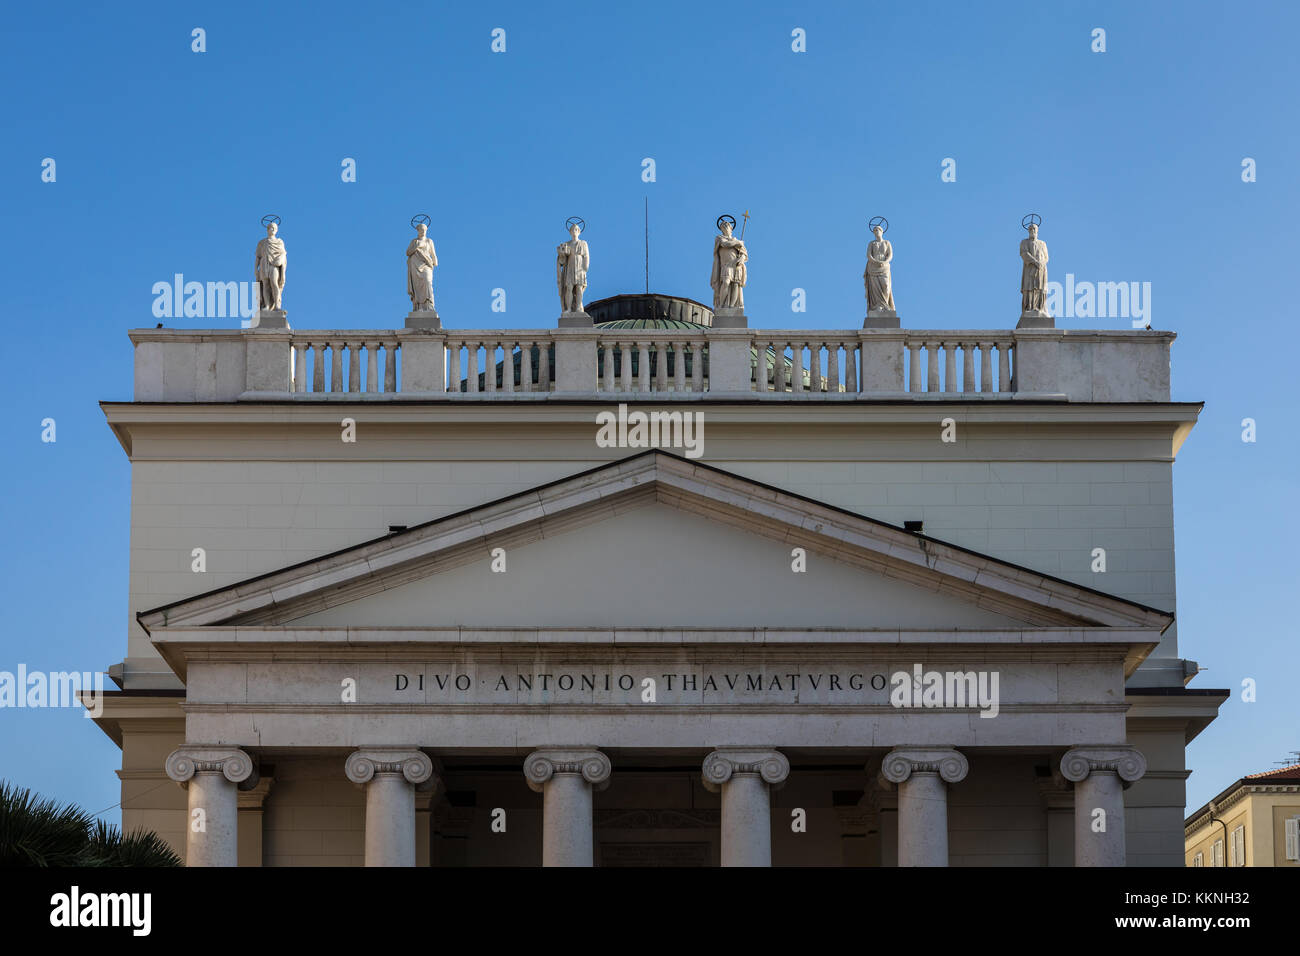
point(1126, 762)
point(723, 763)
point(544, 763)
point(901, 763)
point(184, 762)
point(414, 765)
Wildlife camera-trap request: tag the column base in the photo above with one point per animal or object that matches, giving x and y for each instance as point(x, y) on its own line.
point(575, 320)
point(882, 319)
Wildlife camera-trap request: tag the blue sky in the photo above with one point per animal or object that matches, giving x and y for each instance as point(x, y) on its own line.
point(166, 160)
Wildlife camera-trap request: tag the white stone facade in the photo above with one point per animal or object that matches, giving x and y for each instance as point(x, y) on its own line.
point(501, 716)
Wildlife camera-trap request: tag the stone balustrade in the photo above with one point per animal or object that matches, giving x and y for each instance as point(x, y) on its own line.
point(181, 365)
point(651, 362)
point(977, 350)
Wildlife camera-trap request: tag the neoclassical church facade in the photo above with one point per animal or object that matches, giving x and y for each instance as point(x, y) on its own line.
point(864, 597)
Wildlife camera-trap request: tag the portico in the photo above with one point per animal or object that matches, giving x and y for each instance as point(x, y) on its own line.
point(337, 659)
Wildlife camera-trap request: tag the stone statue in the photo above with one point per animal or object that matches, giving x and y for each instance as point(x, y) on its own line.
point(729, 258)
point(420, 261)
point(1033, 278)
point(269, 268)
point(572, 260)
point(879, 286)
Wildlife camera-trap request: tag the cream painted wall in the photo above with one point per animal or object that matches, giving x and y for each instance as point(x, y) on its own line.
point(256, 516)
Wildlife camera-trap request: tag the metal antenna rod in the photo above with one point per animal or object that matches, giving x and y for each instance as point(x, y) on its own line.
point(647, 245)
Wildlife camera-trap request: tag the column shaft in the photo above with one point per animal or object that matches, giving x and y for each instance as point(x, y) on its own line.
point(1094, 846)
point(923, 821)
point(566, 821)
point(746, 821)
point(213, 826)
point(390, 821)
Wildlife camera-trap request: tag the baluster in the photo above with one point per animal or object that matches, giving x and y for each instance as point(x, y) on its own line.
point(778, 366)
point(679, 366)
point(642, 366)
point(950, 366)
point(967, 368)
point(526, 365)
point(697, 365)
point(661, 366)
point(354, 367)
point(390, 367)
point(851, 368)
point(372, 363)
point(544, 365)
point(624, 367)
point(453, 377)
point(336, 366)
point(508, 366)
point(833, 366)
point(1004, 367)
point(986, 367)
point(796, 366)
point(914, 367)
point(814, 366)
point(932, 366)
point(299, 367)
point(603, 357)
point(318, 367)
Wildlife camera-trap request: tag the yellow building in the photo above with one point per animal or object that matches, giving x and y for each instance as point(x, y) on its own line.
point(1255, 822)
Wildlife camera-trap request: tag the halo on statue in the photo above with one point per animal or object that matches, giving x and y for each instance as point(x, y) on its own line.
point(880, 221)
point(575, 221)
point(730, 219)
point(1033, 219)
point(272, 218)
point(420, 219)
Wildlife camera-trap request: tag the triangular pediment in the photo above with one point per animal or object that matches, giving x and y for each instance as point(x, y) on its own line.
point(656, 541)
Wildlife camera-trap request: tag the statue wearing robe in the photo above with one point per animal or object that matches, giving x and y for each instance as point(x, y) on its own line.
point(420, 261)
point(572, 259)
point(269, 267)
point(879, 285)
point(729, 274)
point(1033, 277)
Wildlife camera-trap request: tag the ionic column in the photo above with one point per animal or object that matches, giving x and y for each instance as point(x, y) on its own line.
point(565, 778)
point(210, 773)
point(389, 776)
point(744, 778)
point(1100, 774)
point(922, 775)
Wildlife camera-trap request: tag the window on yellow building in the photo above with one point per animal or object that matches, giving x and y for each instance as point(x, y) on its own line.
point(1216, 853)
point(1239, 846)
point(1293, 839)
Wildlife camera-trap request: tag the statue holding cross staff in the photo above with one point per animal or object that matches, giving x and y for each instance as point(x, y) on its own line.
point(729, 258)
